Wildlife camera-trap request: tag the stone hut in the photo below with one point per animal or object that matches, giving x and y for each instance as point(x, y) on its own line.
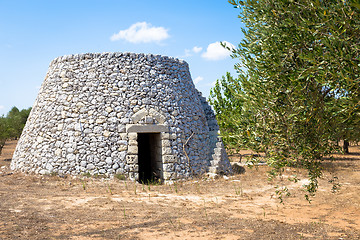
point(120, 113)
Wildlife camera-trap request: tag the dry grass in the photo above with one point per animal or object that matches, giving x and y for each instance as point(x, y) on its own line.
point(241, 207)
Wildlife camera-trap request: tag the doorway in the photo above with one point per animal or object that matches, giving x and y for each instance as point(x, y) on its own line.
point(149, 157)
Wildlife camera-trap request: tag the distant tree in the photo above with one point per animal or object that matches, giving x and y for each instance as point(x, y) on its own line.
point(24, 114)
point(228, 108)
point(14, 122)
point(17, 121)
point(3, 132)
point(348, 129)
point(13, 112)
point(298, 83)
point(12, 125)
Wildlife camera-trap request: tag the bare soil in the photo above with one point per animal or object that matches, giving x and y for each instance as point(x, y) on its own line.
point(243, 206)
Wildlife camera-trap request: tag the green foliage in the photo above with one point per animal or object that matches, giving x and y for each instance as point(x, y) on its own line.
point(297, 92)
point(228, 109)
point(17, 120)
point(120, 177)
point(3, 132)
point(87, 174)
point(12, 125)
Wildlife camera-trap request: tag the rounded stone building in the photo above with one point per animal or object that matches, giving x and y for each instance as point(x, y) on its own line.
point(120, 113)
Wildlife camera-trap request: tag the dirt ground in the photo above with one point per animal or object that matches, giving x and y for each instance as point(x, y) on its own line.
point(243, 206)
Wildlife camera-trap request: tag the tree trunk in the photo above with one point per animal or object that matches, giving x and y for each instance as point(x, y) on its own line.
point(346, 147)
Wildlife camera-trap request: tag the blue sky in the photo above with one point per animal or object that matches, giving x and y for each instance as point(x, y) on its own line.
point(33, 33)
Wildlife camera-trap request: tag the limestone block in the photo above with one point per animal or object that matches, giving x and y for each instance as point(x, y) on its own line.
point(58, 152)
point(122, 155)
point(123, 142)
point(168, 175)
point(132, 150)
point(149, 120)
point(60, 127)
point(106, 133)
point(169, 158)
point(98, 130)
point(115, 166)
point(123, 136)
point(165, 136)
point(175, 113)
point(70, 157)
point(80, 105)
point(219, 144)
point(132, 136)
point(77, 127)
point(168, 167)
point(131, 159)
point(100, 120)
point(133, 142)
point(218, 151)
point(166, 151)
point(109, 160)
point(165, 143)
point(90, 166)
point(173, 136)
point(136, 176)
point(139, 115)
point(120, 171)
point(109, 109)
point(63, 74)
point(157, 115)
point(43, 172)
point(49, 167)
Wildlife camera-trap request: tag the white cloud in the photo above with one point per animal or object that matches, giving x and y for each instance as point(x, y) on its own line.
point(197, 49)
point(1, 107)
point(198, 79)
point(142, 32)
point(187, 53)
point(217, 52)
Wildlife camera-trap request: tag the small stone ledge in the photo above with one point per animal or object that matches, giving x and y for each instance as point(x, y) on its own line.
point(146, 128)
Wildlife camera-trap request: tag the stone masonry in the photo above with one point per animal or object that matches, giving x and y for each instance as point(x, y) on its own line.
point(92, 108)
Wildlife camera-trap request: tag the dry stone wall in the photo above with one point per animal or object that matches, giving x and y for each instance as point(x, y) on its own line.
point(92, 107)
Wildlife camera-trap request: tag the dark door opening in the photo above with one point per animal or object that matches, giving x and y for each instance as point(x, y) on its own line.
point(149, 157)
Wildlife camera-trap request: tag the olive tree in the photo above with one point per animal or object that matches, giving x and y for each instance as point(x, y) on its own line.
point(298, 86)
